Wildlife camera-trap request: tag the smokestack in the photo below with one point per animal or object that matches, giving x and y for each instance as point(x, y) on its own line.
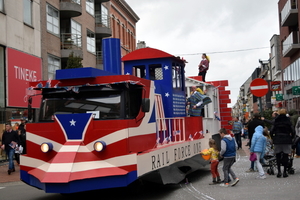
point(111, 48)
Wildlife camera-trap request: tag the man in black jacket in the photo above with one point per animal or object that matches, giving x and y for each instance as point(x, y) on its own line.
point(10, 140)
point(256, 121)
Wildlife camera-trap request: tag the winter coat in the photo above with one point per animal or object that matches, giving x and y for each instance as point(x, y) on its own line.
point(259, 141)
point(282, 132)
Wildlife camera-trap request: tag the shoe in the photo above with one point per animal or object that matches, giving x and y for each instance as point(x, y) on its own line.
point(235, 182)
point(261, 177)
point(219, 181)
point(224, 185)
point(9, 172)
point(278, 175)
point(213, 183)
point(285, 175)
point(250, 170)
point(13, 170)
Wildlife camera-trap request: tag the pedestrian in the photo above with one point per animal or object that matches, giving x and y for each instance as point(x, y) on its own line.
point(238, 131)
point(214, 161)
point(10, 140)
point(256, 121)
point(258, 147)
point(195, 102)
point(297, 145)
point(282, 134)
point(22, 135)
point(228, 152)
point(203, 66)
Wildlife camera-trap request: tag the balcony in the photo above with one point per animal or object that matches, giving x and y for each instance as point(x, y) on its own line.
point(289, 13)
point(101, 1)
point(103, 25)
point(70, 8)
point(71, 43)
point(291, 44)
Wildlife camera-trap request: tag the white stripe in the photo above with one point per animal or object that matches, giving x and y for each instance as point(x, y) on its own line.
point(259, 87)
point(79, 166)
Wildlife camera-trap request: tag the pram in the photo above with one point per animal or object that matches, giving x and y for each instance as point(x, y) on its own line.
point(271, 164)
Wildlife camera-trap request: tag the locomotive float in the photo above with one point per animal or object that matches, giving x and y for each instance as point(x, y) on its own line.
point(108, 128)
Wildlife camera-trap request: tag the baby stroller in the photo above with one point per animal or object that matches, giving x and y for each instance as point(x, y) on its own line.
point(271, 164)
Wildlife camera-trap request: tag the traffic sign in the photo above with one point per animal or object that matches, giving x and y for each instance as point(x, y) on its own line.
point(259, 87)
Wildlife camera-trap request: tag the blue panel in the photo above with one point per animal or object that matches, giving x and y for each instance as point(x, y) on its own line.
point(86, 72)
point(74, 124)
point(111, 49)
point(81, 185)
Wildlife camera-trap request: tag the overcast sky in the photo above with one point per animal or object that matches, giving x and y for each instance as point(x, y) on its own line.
point(224, 29)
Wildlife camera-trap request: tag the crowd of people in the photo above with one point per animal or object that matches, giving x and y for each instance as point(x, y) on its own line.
point(280, 141)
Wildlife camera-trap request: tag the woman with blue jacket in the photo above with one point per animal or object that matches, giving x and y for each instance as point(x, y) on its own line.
point(258, 146)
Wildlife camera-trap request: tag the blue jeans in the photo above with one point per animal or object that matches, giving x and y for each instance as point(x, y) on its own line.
point(10, 153)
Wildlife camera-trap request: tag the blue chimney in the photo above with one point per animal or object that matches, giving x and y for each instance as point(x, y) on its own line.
point(111, 51)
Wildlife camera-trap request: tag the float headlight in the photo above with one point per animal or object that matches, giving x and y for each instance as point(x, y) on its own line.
point(46, 147)
point(99, 146)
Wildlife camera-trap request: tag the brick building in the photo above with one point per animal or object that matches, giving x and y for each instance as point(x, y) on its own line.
point(290, 47)
point(37, 38)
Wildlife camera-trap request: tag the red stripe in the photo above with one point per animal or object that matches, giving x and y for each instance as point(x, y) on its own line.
point(65, 177)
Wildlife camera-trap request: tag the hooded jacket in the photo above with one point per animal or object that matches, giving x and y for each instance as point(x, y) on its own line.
point(228, 147)
point(258, 141)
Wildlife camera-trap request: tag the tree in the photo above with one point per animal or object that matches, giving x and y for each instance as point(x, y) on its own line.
point(74, 61)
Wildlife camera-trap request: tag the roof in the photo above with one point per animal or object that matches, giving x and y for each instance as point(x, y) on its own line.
point(148, 53)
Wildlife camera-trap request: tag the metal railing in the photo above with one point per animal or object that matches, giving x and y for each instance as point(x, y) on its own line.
point(70, 41)
point(102, 20)
point(290, 4)
point(293, 38)
point(99, 58)
point(72, 1)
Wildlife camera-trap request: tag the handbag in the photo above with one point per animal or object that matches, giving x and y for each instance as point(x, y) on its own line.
point(253, 157)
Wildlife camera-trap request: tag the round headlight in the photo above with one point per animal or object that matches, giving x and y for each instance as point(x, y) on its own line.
point(46, 147)
point(99, 146)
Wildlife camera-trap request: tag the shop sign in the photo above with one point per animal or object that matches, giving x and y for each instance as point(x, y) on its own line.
point(296, 90)
point(276, 86)
point(21, 69)
point(279, 97)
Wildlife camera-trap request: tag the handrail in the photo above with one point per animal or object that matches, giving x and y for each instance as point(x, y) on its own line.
point(102, 20)
point(71, 41)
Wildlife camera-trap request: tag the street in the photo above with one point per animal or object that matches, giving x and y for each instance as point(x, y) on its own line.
point(197, 187)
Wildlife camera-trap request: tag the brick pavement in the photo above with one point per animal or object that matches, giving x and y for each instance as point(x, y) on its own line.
point(13, 177)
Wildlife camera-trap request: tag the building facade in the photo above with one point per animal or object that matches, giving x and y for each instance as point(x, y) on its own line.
point(290, 52)
point(38, 37)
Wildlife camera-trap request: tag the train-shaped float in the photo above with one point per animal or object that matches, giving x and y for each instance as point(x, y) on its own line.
point(108, 128)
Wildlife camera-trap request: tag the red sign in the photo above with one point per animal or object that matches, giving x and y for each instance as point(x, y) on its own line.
point(259, 87)
point(21, 69)
point(275, 86)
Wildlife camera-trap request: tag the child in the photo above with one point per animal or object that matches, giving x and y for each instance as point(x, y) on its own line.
point(228, 151)
point(214, 155)
point(258, 146)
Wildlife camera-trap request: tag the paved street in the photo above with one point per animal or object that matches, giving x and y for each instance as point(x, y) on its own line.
point(248, 188)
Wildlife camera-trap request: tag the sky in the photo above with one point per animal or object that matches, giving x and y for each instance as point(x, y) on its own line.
point(235, 34)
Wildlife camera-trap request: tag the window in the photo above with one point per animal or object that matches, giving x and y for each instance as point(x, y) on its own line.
point(2, 5)
point(76, 33)
point(155, 72)
point(90, 7)
point(76, 1)
point(91, 41)
point(53, 65)
point(52, 20)
point(27, 11)
point(104, 16)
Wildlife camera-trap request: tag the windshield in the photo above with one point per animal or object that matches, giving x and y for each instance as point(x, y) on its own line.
point(104, 103)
